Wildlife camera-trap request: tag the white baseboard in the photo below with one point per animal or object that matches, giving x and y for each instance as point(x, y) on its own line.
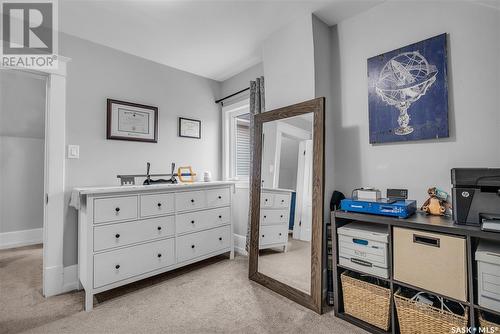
point(239, 244)
point(70, 278)
point(21, 238)
point(53, 280)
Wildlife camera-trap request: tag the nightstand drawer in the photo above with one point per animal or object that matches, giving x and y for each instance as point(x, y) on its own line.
point(115, 209)
point(273, 234)
point(157, 204)
point(273, 217)
point(266, 200)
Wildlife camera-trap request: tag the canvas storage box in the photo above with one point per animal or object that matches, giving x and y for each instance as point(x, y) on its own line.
point(363, 247)
point(488, 275)
point(431, 261)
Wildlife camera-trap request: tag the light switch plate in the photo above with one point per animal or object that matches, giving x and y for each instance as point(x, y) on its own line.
point(73, 152)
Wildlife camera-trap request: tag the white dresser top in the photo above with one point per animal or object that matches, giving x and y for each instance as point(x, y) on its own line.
point(82, 191)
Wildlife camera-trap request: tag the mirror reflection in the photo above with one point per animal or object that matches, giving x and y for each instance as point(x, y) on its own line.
point(286, 201)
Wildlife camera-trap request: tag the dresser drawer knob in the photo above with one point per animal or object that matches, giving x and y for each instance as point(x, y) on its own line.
point(220, 216)
point(159, 228)
point(282, 201)
point(266, 199)
point(159, 255)
point(117, 235)
point(280, 234)
point(220, 197)
point(192, 200)
point(117, 266)
point(263, 235)
point(265, 216)
point(192, 246)
point(192, 221)
point(281, 216)
point(220, 238)
point(117, 209)
point(159, 205)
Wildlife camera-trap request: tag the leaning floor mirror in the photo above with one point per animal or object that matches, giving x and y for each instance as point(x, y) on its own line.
point(286, 231)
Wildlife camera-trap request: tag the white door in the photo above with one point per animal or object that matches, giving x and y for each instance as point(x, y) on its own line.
point(303, 204)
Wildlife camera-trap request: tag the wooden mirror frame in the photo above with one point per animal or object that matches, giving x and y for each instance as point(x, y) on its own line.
point(314, 299)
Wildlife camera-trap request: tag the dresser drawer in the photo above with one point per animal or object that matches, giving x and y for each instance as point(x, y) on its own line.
point(218, 197)
point(122, 234)
point(190, 200)
point(273, 217)
point(157, 204)
point(281, 201)
point(266, 200)
point(197, 244)
point(273, 234)
point(115, 209)
point(200, 220)
point(128, 262)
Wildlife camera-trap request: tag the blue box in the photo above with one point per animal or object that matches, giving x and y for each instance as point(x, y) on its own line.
point(401, 209)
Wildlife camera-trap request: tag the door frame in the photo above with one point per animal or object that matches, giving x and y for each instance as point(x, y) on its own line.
point(54, 175)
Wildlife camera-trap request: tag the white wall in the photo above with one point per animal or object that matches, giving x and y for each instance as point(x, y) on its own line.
point(22, 110)
point(288, 58)
point(96, 73)
point(474, 74)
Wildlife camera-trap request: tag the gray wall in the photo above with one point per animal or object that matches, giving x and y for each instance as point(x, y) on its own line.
point(97, 72)
point(241, 80)
point(474, 74)
point(22, 115)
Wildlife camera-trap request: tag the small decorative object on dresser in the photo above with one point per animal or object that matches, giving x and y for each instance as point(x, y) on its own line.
point(189, 128)
point(126, 234)
point(131, 121)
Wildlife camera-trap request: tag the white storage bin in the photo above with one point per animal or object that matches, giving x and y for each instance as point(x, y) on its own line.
point(363, 247)
point(488, 275)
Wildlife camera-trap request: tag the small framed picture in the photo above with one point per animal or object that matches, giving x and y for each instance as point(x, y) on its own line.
point(189, 128)
point(131, 121)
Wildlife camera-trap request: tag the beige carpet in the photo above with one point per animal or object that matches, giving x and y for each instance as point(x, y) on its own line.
point(211, 297)
point(292, 267)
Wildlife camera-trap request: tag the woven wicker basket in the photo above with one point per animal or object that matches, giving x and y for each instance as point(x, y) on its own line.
point(418, 318)
point(366, 301)
point(488, 324)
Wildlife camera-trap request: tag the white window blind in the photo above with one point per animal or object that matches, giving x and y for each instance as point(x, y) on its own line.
point(242, 155)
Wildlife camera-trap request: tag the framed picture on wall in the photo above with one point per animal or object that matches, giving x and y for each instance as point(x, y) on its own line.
point(132, 121)
point(189, 128)
point(408, 92)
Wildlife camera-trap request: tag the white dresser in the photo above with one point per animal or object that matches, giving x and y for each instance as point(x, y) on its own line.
point(274, 218)
point(129, 233)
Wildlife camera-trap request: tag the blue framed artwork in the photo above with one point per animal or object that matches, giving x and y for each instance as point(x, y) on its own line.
point(408, 93)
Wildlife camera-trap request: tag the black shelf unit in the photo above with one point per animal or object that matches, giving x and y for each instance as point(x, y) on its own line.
point(418, 221)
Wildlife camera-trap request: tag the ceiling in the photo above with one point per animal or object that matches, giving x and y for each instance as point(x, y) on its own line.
point(213, 39)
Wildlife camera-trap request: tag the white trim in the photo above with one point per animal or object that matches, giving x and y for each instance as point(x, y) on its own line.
point(240, 244)
point(70, 278)
point(21, 238)
point(54, 176)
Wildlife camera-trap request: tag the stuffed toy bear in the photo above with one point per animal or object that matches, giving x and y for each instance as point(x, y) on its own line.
point(437, 203)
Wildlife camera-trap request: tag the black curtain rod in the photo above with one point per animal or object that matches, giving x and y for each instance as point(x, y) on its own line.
point(227, 97)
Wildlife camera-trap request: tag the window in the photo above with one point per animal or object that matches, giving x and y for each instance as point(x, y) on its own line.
point(236, 119)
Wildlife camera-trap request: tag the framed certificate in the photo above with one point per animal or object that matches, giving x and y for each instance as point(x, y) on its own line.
point(132, 121)
point(190, 128)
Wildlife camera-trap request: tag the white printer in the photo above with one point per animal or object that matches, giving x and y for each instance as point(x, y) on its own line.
point(488, 275)
point(363, 247)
